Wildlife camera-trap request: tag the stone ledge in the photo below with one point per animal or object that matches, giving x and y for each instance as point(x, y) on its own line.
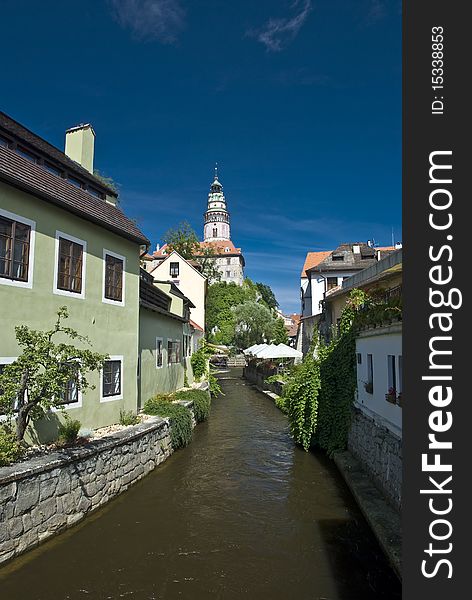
point(384, 521)
point(60, 458)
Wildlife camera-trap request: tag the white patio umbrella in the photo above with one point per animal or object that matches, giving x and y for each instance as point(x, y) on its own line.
point(262, 348)
point(270, 351)
point(251, 348)
point(289, 352)
point(278, 351)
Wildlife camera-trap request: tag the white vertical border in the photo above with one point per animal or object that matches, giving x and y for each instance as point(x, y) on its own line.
point(83, 243)
point(32, 224)
point(116, 396)
point(123, 259)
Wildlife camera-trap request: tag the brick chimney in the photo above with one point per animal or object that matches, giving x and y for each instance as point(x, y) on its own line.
point(80, 141)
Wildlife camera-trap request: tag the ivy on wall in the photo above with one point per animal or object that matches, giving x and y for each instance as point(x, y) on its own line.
point(319, 396)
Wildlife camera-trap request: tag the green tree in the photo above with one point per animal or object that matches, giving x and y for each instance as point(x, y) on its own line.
point(280, 332)
point(183, 240)
point(38, 378)
point(254, 324)
point(207, 258)
point(267, 295)
point(221, 298)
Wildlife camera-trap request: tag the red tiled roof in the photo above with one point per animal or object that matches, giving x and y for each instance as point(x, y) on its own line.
point(219, 247)
point(195, 326)
point(32, 178)
point(313, 259)
point(160, 253)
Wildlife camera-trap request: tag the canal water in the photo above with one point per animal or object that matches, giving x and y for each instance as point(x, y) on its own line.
point(240, 513)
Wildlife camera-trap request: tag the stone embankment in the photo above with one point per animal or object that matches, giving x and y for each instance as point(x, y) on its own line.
point(44, 495)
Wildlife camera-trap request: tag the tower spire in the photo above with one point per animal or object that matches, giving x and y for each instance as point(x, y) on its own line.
point(217, 225)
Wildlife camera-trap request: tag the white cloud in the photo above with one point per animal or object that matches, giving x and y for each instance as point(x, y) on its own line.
point(159, 20)
point(277, 33)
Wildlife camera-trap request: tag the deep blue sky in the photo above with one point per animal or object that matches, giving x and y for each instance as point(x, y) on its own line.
point(298, 101)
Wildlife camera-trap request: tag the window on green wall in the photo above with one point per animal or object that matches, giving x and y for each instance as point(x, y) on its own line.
point(159, 353)
point(14, 249)
point(111, 378)
point(113, 278)
point(69, 276)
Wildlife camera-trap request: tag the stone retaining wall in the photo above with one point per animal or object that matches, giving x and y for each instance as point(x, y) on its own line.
point(258, 373)
point(42, 496)
point(379, 451)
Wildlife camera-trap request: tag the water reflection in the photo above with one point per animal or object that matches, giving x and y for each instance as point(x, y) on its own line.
point(241, 513)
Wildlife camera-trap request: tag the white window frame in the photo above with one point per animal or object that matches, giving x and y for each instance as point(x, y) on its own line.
point(14, 217)
point(116, 396)
point(123, 259)
point(83, 243)
point(159, 339)
point(69, 406)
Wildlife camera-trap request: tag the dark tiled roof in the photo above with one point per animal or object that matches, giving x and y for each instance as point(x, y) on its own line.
point(32, 178)
point(351, 261)
point(33, 142)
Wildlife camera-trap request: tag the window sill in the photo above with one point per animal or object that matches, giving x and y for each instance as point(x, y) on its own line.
point(59, 292)
point(16, 283)
point(111, 398)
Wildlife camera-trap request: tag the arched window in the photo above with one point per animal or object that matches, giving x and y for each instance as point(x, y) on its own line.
point(215, 232)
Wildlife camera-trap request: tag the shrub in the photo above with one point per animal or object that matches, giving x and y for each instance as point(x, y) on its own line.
point(127, 417)
point(10, 449)
point(154, 403)
point(215, 389)
point(280, 404)
point(201, 402)
point(180, 419)
point(69, 431)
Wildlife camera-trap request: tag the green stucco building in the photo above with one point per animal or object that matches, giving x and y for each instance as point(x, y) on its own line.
point(64, 242)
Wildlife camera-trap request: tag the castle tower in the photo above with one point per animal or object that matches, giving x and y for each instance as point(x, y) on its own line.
point(216, 225)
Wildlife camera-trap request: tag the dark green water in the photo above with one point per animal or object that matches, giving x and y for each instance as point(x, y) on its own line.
point(240, 513)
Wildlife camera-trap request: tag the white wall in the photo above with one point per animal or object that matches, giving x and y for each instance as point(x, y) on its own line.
point(315, 289)
point(380, 342)
point(190, 282)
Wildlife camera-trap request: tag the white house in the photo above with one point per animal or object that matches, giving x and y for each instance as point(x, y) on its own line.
point(375, 437)
point(188, 279)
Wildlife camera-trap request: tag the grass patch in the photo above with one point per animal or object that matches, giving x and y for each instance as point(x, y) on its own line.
point(68, 431)
point(127, 417)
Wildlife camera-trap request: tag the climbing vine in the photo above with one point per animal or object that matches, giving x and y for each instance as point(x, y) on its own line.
point(199, 361)
point(319, 396)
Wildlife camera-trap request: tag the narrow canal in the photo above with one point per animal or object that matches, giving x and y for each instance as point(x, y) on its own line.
point(240, 513)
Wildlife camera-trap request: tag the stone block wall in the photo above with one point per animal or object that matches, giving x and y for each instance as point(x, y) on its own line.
point(42, 496)
point(379, 451)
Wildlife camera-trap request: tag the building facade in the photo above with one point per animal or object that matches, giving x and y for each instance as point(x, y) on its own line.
point(188, 279)
point(166, 339)
point(375, 437)
point(63, 242)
